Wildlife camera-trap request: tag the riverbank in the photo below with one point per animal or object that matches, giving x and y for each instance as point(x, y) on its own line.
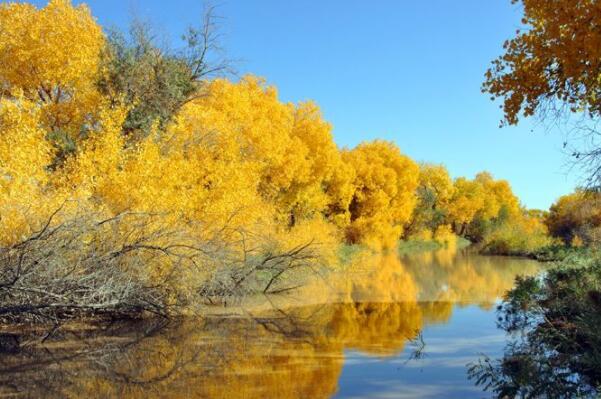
point(556, 325)
point(298, 269)
point(411, 246)
point(286, 285)
point(553, 253)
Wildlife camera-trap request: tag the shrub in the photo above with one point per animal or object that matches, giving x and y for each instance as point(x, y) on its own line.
point(133, 263)
point(524, 236)
point(576, 218)
point(555, 323)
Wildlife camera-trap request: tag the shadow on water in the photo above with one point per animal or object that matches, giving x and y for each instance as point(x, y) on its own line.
point(377, 307)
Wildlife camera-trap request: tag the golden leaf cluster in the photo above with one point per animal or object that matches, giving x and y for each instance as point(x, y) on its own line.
point(235, 158)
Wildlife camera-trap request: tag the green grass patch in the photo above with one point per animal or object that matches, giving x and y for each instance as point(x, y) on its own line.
point(415, 246)
point(463, 242)
point(407, 247)
point(347, 252)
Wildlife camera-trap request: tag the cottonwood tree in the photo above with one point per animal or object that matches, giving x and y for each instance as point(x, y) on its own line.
point(384, 195)
point(51, 57)
point(552, 69)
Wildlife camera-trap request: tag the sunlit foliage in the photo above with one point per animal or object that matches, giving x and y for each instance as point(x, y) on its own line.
point(24, 155)
point(384, 193)
point(555, 58)
point(101, 128)
point(576, 218)
point(52, 56)
point(550, 69)
point(480, 203)
point(467, 200)
point(523, 234)
point(283, 153)
point(434, 193)
point(498, 197)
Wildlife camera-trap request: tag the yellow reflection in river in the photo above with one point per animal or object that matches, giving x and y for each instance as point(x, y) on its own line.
point(277, 349)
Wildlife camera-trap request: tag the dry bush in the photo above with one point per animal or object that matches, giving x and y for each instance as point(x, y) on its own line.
point(268, 269)
point(133, 263)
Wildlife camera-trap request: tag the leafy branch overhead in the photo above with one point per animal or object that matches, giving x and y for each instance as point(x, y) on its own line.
point(552, 69)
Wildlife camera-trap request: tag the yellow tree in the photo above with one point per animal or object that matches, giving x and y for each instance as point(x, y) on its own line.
point(289, 148)
point(319, 185)
point(576, 217)
point(551, 69)
point(434, 192)
point(497, 197)
point(479, 202)
point(436, 178)
point(24, 156)
point(237, 156)
point(467, 200)
point(52, 56)
point(557, 57)
point(384, 195)
point(508, 201)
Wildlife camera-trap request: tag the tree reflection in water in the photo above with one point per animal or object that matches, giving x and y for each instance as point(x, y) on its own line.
point(375, 306)
point(554, 326)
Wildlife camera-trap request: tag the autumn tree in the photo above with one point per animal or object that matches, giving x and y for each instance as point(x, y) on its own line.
point(287, 149)
point(52, 56)
point(323, 184)
point(478, 205)
point(523, 234)
point(551, 68)
point(576, 217)
point(434, 193)
point(499, 205)
point(384, 193)
point(466, 201)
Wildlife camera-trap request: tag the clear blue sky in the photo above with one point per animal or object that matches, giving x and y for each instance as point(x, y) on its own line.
point(406, 71)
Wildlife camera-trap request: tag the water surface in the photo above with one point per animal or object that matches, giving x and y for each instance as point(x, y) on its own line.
point(387, 326)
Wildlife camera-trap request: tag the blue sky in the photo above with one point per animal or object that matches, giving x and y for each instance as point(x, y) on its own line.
point(406, 71)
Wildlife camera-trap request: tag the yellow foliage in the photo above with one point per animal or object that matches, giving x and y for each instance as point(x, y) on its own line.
point(52, 54)
point(24, 155)
point(556, 57)
point(436, 179)
point(482, 198)
point(467, 200)
point(497, 196)
point(285, 151)
point(235, 163)
point(434, 193)
point(444, 234)
point(521, 235)
point(576, 214)
point(577, 242)
point(421, 235)
point(94, 169)
point(384, 193)
point(321, 158)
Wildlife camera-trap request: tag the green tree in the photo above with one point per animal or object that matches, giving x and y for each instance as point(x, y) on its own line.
point(154, 81)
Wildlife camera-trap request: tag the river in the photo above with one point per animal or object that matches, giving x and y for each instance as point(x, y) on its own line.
point(389, 326)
